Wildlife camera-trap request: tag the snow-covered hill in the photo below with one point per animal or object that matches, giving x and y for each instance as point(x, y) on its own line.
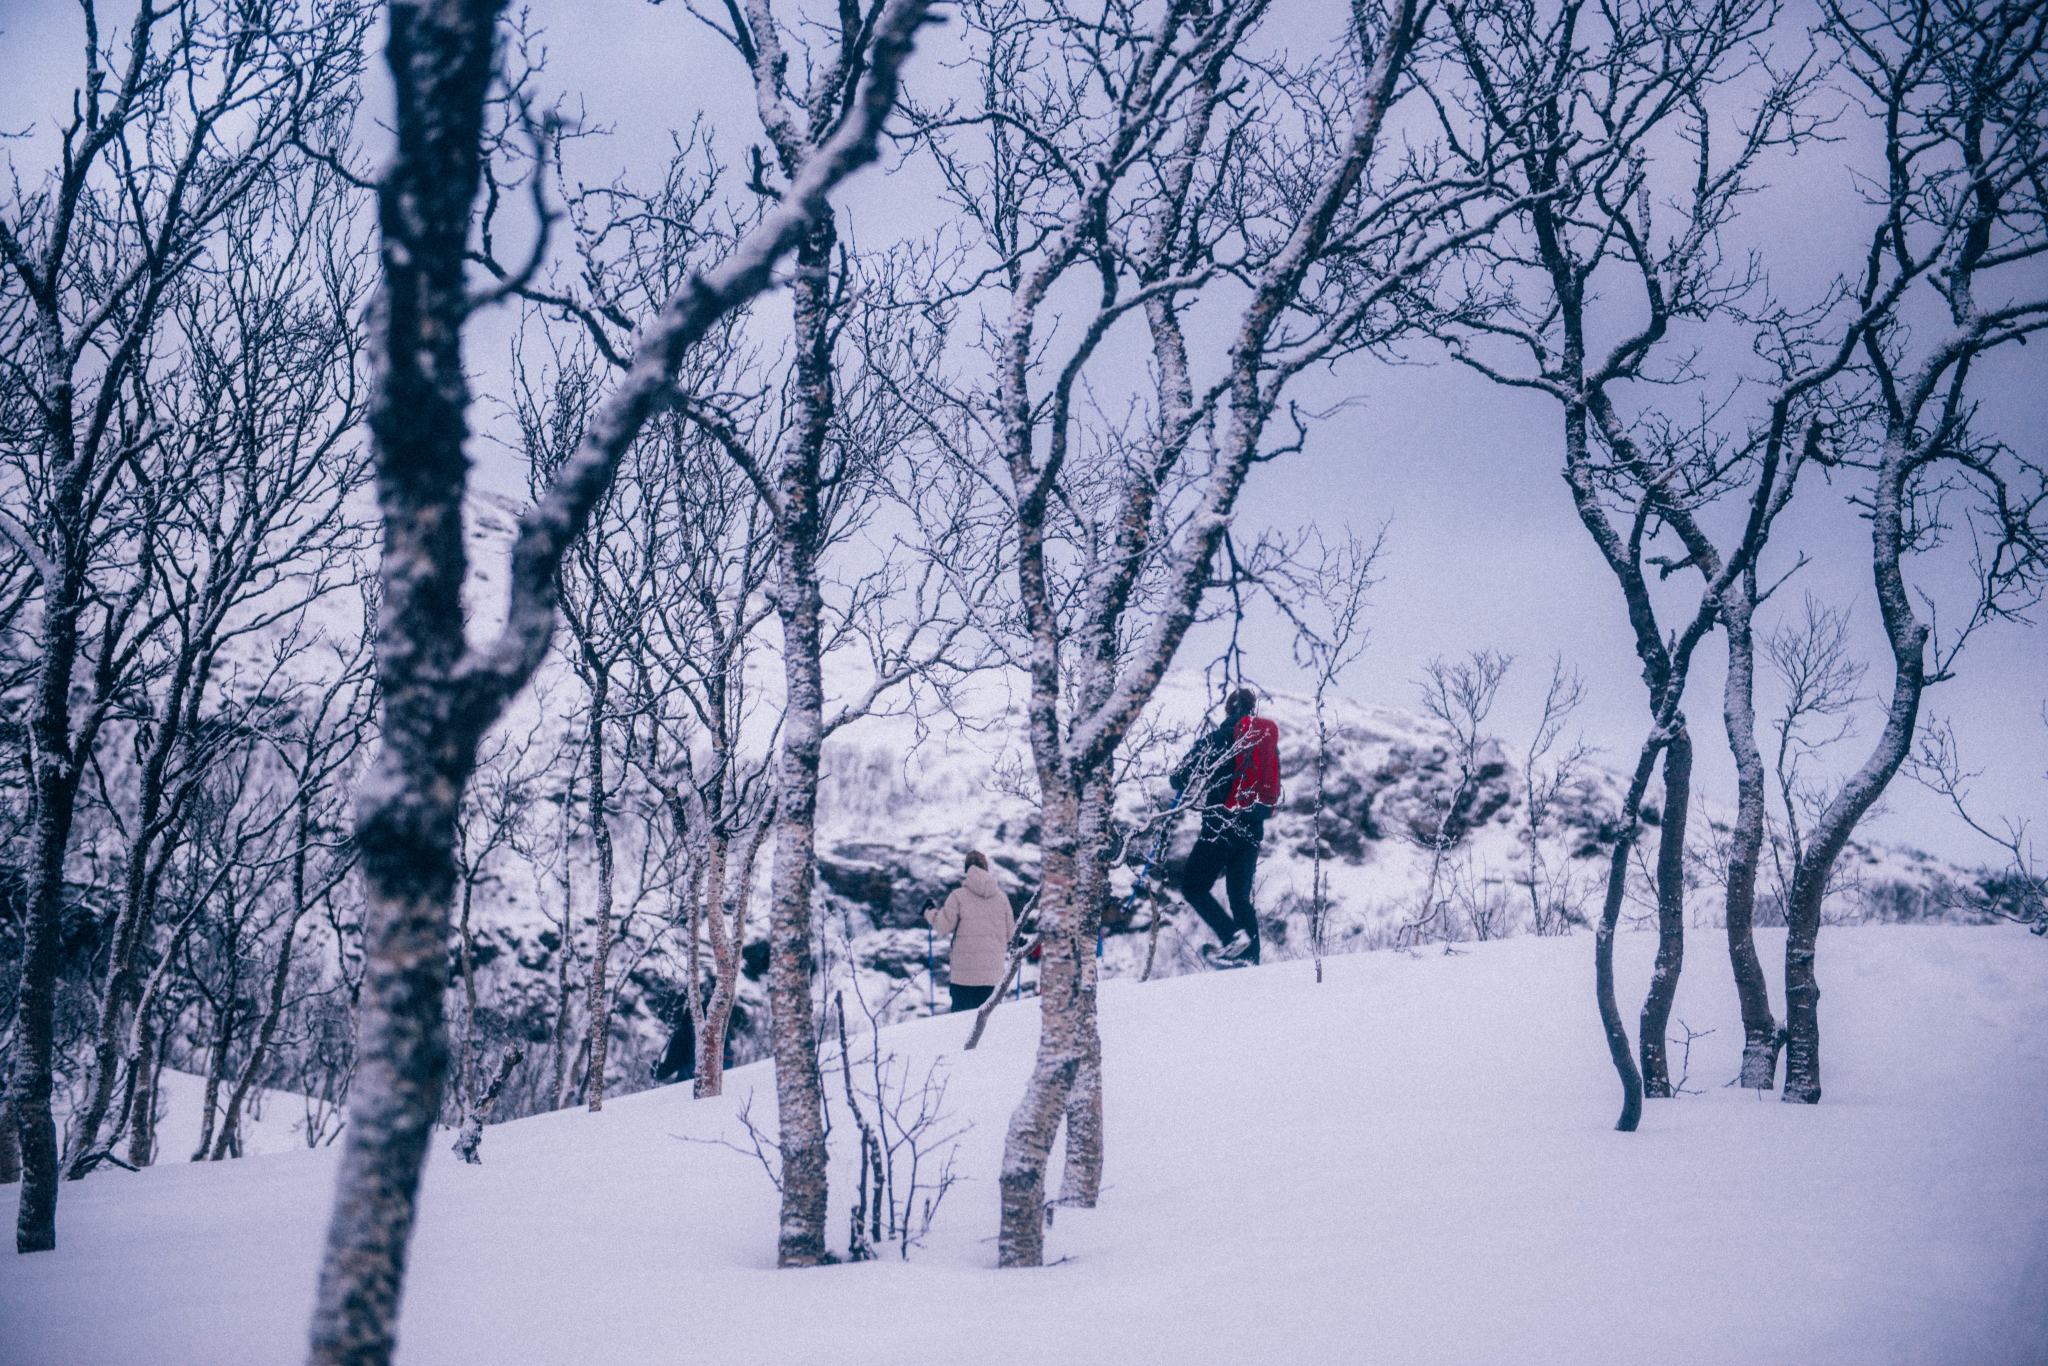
point(1412, 1163)
point(902, 799)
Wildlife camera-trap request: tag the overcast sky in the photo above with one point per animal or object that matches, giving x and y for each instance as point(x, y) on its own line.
point(1483, 549)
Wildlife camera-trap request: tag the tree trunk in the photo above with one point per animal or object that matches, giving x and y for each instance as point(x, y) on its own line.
point(152, 1051)
point(800, 604)
point(798, 1095)
point(599, 1004)
point(1670, 911)
point(564, 996)
point(472, 1136)
point(1603, 943)
point(1908, 638)
point(148, 1050)
point(438, 696)
point(1061, 1047)
point(712, 1018)
point(466, 1079)
point(10, 1146)
point(216, 1068)
point(726, 961)
point(409, 803)
point(1081, 1182)
point(56, 792)
point(230, 1131)
point(1760, 1037)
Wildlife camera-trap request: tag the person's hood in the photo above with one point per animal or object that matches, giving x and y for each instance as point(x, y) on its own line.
point(981, 882)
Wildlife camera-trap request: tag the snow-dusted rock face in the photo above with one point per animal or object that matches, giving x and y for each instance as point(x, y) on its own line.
point(896, 815)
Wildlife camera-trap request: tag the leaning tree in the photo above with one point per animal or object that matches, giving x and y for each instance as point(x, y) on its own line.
point(439, 693)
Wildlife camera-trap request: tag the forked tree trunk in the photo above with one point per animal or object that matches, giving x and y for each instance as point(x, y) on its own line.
point(1908, 638)
point(152, 1050)
point(216, 1068)
point(230, 1130)
point(1670, 912)
point(149, 1051)
point(471, 1137)
point(726, 960)
point(438, 695)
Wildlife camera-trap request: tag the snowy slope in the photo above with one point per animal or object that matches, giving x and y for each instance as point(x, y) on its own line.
point(1412, 1163)
point(273, 1122)
point(901, 800)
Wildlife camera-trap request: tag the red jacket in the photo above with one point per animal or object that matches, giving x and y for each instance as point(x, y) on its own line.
point(1257, 746)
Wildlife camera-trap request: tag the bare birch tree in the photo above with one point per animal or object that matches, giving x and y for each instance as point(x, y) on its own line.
point(1959, 223)
point(1548, 771)
point(170, 131)
point(1460, 695)
point(259, 528)
point(439, 694)
point(816, 464)
point(1616, 84)
point(1117, 165)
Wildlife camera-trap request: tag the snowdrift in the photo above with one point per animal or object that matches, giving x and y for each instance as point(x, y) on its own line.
point(1410, 1163)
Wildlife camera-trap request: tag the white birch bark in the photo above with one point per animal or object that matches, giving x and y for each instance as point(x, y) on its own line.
point(438, 694)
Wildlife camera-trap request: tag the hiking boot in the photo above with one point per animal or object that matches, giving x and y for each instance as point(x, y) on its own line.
point(1240, 944)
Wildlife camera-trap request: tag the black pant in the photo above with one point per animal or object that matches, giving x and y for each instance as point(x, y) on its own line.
point(1234, 858)
point(969, 998)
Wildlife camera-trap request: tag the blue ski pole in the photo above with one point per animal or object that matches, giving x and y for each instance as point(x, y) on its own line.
point(1152, 854)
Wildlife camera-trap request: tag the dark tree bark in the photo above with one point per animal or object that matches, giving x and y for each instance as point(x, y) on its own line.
point(10, 1146)
point(1962, 91)
point(226, 1016)
point(1760, 1037)
point(1603, 943)
point(1670, 912)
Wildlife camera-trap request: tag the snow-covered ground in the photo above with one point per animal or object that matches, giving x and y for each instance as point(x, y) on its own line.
point(272, 1122)
point(1410, 1163)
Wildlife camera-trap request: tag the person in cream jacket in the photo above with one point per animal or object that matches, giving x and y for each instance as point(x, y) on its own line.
point(978, 917)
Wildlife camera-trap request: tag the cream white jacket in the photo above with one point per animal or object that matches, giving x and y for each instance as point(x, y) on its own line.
point(978, 917)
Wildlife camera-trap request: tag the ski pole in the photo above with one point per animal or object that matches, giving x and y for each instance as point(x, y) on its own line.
point(1151, 856)
point(931, 982)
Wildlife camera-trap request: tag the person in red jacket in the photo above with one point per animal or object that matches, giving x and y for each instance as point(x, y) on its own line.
point(1235, 771)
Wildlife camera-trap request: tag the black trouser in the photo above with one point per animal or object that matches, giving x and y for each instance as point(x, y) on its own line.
point(1233, 857)
point(969, 998)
